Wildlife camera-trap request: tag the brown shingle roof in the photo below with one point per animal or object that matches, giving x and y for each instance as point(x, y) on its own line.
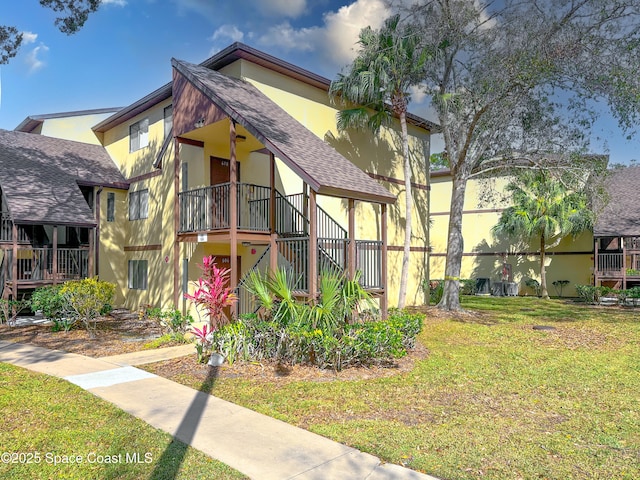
point(324, 169)
point(621, 215)
point(39, 177)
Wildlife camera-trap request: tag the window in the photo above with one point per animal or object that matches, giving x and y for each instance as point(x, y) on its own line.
point(138, 205)
point(168, 120)
point(111, 207)
point(139, 135)
point(138, 274)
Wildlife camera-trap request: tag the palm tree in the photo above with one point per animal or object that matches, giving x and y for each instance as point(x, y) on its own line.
point(389, 63)
point(546, 210)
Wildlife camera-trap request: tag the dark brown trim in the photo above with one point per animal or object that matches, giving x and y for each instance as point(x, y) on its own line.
point(511, 254)
point(98, 206)
point(443, 172)
point(142, 248)
point(30, 123)
point(177, 270)
point(397, 181)
point(400, 248)
point(470, 212)
point(234, 277)
point(189, 141)
point(384, 299)
point(145, 176)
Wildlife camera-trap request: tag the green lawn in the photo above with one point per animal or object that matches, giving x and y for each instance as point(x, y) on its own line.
point(46, 420)
point(494, 399)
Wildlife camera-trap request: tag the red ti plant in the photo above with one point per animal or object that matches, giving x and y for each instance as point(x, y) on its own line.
point(212, 292)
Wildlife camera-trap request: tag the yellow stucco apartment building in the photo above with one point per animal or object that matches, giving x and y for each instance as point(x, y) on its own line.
point(239, 157)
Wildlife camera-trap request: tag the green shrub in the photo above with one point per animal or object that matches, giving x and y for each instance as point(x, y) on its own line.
point(436, 289)
point(170, 321)
point(410, 325)
point(533, 284)
point(592, 294)
point(54, 306)
point(254, 339)
point(87, 299)
point(468, 286)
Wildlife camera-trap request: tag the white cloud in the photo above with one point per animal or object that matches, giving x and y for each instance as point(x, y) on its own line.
point(205, 8)
point(418, 95)
point(343, 27)
point(289, 38)
point(119, 3)
point(29, 37)
point(281, 8)
point(33, 59)
point(228, 31)
point(336, 39)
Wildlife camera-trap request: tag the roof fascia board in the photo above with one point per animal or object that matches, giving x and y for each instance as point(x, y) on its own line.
point(30, 123)
point(134, 109)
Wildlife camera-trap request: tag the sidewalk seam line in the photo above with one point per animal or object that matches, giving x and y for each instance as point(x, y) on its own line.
point(353, 450)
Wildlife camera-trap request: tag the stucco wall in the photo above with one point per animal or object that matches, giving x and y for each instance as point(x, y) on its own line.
point(76, 127)
point(484, 254)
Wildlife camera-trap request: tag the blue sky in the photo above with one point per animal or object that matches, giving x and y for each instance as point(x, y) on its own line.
point(123, 51)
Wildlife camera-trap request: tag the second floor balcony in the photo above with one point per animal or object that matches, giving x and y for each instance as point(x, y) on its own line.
point(209, 208)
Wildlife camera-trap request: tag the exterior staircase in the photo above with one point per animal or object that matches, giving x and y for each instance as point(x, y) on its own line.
point(292, 228)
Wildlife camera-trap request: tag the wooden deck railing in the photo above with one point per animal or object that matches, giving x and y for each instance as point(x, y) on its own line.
point(609, 263)
point(37, 264)
point(6, 229)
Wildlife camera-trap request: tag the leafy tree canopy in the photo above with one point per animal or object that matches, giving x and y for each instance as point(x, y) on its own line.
point(547, 210)
point(510, 80)
point(390, 61)
point(72, 14)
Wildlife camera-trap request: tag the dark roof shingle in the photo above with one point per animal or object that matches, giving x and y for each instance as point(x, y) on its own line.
point(39, 177)
point(322, 167)
point(621, 215)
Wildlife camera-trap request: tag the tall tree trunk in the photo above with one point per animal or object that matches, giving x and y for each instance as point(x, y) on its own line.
point(404, 275)
point(543, 270)
point(455, 245)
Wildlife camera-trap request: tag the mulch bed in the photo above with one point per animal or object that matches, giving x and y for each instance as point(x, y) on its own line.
point(269, 371)
point(120, 332)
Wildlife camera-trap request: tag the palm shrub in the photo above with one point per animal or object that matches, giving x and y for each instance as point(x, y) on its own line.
point(327, 332)
point(545, 210)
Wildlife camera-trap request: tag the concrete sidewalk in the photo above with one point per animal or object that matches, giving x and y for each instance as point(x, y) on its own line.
point(257, 445)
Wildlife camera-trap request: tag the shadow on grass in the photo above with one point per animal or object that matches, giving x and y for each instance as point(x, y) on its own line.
point(565, 310)
point(173, 456)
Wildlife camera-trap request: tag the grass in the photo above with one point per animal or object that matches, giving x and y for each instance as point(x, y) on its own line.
point(44, 417)
point(166, 340)
point(495, 398)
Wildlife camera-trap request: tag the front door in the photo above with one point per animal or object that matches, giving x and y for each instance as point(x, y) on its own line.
point(220, 175)
point(219, 171)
